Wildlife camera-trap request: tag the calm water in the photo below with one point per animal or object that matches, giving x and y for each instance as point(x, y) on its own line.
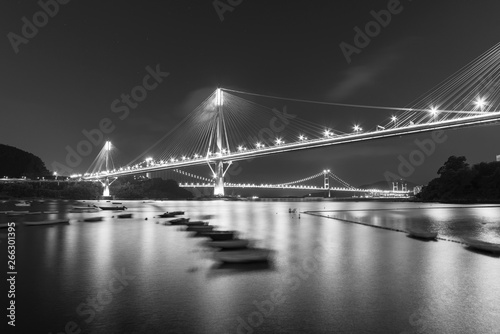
point(327, 276)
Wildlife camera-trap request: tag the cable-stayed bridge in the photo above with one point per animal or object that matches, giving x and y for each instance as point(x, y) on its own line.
point(233, 125)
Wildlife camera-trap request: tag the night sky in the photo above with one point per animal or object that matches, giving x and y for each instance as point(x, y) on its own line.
point(64, 79)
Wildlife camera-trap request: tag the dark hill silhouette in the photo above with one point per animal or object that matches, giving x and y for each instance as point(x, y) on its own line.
point(17, 163)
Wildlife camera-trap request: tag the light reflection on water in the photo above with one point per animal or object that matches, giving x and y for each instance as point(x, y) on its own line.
point(365, 279)
point(453, 221)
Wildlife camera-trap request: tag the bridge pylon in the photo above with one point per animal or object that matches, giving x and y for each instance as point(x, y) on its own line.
point(220, 135)
point(107, 182)
point(327, 180)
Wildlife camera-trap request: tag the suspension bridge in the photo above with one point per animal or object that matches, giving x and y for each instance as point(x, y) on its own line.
point(229, 126)
point(326, 176)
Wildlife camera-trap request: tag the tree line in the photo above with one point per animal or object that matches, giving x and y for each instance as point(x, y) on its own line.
point(460, 182)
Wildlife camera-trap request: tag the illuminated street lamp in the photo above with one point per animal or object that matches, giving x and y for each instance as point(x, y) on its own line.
point(302, 137)
point(259, 145)
point(327, 133)
point(357, 128)
point(434, 112)
point(278, 141)
point(395, 120)
point(480, 103)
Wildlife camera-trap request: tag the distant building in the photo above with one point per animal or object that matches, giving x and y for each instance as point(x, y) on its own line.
point(498, 157)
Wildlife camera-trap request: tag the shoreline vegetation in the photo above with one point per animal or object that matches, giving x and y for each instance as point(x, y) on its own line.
point(460, 183)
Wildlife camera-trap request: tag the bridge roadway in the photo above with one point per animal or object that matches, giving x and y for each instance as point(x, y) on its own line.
point(481, 119)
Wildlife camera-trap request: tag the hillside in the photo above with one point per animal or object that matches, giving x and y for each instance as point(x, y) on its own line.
point(17, 163)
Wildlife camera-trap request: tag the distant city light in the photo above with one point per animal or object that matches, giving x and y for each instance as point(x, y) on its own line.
point(327, 133)
point(357, 128)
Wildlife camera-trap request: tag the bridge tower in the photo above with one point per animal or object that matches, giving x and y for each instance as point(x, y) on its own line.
point(327, 180)
point(219, 164)
point(394, 186)
point(107, 182)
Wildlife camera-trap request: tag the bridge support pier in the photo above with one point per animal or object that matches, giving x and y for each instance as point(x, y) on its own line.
point(105, 192)
point(106, 183)
point(219, 179)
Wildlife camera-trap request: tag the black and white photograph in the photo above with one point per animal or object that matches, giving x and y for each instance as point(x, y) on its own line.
point(246, 167)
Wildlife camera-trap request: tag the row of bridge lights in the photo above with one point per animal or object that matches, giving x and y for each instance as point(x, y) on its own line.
point(271, 185)
point(278, 141)
point(480, 103)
